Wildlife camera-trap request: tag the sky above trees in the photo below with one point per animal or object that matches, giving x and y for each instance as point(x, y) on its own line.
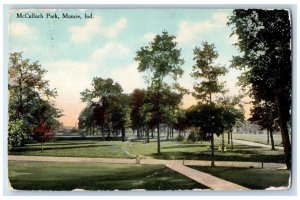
point(73, 51)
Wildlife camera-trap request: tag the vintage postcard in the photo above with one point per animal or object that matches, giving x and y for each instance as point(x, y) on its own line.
point(149, 99)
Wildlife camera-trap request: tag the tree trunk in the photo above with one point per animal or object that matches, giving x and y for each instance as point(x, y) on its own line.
point(168, 133)
point(231, 140)
point(268, 136)
point(158, 139)
point(223, 143)
point(228, 140)
point(42, 148)
point(138, 133)
point(272, 139)
point(148, 138)
point(103, 134)
point(152, 136)
point(212, 150)
point(123, 134)
point(284, 131)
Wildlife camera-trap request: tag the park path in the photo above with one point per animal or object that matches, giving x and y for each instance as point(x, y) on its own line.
point(205, 178)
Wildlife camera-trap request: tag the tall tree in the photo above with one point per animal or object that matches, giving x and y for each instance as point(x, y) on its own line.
point(264, 39)
point(102, 97)
point(30, 97)
point(160, 59)
point(208, 71)
point(120, 115)
point(137, 101)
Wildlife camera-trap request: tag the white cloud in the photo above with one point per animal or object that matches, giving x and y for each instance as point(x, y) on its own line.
point(95, 26)
point(189, 31)
point(20, 29)
point(128, 77)
point(110, 49)
point(220, 17)
point(148, 37)
point(113, 30)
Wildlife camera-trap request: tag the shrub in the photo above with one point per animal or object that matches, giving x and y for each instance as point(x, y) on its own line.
point(179, 138)
point(193, 136)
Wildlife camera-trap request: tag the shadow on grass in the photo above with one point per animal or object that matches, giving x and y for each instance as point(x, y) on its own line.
point(38, 148)
point(142, 177)
point(219, 157)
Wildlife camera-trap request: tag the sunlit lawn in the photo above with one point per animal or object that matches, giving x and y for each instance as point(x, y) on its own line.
point(250, 177)
point(259, 138)
point(95, 176)
point(169, 150)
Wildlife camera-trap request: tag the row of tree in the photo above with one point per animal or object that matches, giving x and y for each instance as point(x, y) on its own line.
point(109, 110)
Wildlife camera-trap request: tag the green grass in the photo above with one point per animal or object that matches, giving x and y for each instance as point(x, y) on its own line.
point(95, 176)
point(73, 148)
point(250, 178)
point(259, 138)
point(169, 150)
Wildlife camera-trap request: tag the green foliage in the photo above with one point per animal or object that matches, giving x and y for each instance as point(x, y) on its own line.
point(193, 136)
point(16, 133)
point(29, 97)
point(107, 108)
point(179, 138)
point(208, 118)
point(208, 71)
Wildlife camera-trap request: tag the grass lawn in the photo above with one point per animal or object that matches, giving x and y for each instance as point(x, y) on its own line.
point(73, 148)
point(169, 150)
point(95, 176)
point(250, 178)
point(259, 138)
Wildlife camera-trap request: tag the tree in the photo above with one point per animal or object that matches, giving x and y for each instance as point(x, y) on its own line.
point(29, 98)
point(208, 120)
point(265, 115)
point(42, 134)
point(160, 59)
point(120, 115)
point(264, 39)
point(86, 120)
point(208, 71)
point(137, 101)
point(101, 98)
point(233, 113)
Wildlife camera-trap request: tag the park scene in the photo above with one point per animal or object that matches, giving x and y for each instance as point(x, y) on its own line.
point(149, 100)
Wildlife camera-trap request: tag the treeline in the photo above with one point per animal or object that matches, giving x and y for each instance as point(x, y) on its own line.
point(110, 112)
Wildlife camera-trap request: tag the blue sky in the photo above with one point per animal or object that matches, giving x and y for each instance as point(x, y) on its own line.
point(73, 51)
